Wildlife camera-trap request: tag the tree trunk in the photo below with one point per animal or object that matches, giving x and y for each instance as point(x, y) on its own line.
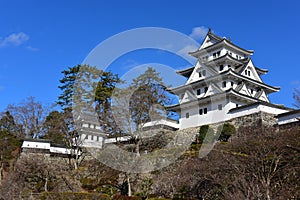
point(1, 171)
point(129, 186)
point(46, 185)
point(137, 149)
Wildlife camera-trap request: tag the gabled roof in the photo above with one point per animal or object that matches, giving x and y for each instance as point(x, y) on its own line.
point(186, 72)
point(227, 92)
point(292, 112)
point(223, 42)
point(259, 103)
point(224, 57)
point(221, 75)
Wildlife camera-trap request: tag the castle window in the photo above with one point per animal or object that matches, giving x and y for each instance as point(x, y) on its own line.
point(187, 115)
point(198, 91)
point(92, 137)
point(200, 74)
point(89, 125)
point(221, 67)
point(200, 112)
point(218, 53)
point(205, 110)
point(232, 83)
point(248, 73)
point(205, 89)
point(236, 105)
point(251, 91)
point(204, 72)
point(224, 84)
point(220, 107)
point(229, 66)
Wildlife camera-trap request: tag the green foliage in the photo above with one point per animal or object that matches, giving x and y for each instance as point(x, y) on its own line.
point(93, 89)
point(8, 144)
point(149, 90)
point(54, 127)
point(7, 122)
point(206, 134)
point(146, 187)
point(88, 183)
point(227, 130)
point(107, 189)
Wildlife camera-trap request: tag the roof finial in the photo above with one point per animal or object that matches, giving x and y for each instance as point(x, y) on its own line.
point(209, 30)
point(229, 39)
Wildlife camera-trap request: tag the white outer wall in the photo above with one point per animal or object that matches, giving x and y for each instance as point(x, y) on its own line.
point(45, 145)
point(213, 114)
point(162, 122)
point(36, 145)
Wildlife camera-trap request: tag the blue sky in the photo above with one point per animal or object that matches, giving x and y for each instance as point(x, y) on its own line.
point(39, 39)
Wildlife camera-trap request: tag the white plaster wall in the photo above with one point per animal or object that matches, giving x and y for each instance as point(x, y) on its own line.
point(60, 150)
point(162, 122)
point(213, 115)
point(36, 145)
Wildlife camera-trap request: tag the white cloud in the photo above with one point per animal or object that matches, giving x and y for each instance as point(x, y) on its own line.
point(130, 63)
point(32, 48)
point(199, 32)
point(186, 50)
point(14, 39)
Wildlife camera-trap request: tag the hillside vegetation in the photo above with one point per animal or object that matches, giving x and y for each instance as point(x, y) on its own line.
point(256, 163)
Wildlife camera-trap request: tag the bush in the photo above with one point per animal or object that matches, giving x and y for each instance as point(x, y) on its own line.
point(206, 134)
point(227, 131)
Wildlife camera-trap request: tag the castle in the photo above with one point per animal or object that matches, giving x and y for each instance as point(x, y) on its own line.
point(223, 85)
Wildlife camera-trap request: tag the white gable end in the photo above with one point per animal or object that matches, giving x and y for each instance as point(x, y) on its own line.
point(244, 90)
point(212, 89)
point(250, 72)
point(201, 71)
point(264, 97)
point(188, 96)
point(208, 41)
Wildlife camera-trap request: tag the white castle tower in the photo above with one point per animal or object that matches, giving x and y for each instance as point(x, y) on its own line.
point(224, 84)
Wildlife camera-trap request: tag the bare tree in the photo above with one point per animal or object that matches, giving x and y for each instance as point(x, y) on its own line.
point(296, 96)
point(29, 116)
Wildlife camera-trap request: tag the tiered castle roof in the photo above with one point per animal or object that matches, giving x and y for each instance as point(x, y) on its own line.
point(222, 62)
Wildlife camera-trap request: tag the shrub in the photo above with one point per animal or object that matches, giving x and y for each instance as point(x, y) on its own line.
point(227, 131)
point(206, 134)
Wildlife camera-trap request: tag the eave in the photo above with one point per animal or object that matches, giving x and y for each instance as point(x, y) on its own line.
point(292, 112)
point(220, 77)
point(186, 72)
point(259, 103)
point(226, 57)
point(223, 43)
point(227, 93)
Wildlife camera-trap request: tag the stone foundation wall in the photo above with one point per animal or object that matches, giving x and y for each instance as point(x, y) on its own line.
point(255, 119)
